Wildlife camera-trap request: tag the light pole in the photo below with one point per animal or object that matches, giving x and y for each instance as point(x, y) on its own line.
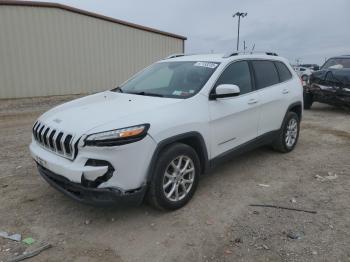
point(239, 24)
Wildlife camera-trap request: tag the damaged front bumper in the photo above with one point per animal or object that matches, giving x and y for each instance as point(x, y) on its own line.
point(98, 176)
point(92, 196)
point(332, 95)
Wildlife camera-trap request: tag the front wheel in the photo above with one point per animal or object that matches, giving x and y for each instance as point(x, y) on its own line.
point(289, 134)
point(176, 177)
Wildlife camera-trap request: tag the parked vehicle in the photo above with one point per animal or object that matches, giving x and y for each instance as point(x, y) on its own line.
point(331, 84)
point(313, 67)
point(159, 131)
point(303, 72)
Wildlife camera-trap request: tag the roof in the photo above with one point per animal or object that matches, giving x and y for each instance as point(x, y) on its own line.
point(91, 14)
point(340, 56)
point(222, 58)
point(199, 57)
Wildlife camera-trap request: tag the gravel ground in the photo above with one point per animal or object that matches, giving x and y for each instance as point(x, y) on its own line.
point(217, 225)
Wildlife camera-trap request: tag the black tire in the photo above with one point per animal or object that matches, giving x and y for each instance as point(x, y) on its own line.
point(308, 100)
point(156, 195)
point(280, 144)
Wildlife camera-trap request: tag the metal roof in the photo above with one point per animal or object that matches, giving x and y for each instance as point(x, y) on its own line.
point(91, 14)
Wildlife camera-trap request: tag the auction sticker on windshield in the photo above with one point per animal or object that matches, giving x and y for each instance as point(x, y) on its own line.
point(206, 64)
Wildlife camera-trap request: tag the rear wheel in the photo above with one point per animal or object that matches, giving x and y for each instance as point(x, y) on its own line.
point(176, 177)
point(289, 134)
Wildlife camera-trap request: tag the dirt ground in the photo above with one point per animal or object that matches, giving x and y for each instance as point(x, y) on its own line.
point(217, 225)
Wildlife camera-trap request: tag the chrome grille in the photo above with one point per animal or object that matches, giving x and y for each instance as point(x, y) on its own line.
point(58, 141)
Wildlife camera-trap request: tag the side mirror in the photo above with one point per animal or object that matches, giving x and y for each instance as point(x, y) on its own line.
point(225, 90)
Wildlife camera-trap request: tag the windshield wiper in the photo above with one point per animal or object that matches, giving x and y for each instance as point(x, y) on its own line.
point(143, 93)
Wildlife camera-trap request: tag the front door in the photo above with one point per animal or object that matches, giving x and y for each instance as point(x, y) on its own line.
point(234, 120)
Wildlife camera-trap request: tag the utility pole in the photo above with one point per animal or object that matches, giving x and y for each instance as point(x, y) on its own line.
point(239, 24)
point(253, 48)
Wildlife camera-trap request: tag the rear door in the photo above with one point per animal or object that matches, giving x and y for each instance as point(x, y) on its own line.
point(272, 79)
point(234, 120)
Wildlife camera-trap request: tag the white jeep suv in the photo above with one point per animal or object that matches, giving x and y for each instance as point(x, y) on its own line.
point(155, 135)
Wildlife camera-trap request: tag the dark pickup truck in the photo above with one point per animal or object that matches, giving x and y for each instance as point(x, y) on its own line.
point(331, 84)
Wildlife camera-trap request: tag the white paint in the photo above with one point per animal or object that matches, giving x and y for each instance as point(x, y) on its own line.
point(223, 123)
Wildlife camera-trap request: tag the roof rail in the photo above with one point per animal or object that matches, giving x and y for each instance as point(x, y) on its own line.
point(227, 55)
point(271, 53)
point(174, 56)
point(249, 53)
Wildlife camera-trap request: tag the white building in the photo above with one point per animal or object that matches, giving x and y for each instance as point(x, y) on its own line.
point(51, 49)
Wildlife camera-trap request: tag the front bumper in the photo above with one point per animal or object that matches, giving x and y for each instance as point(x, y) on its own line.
point(130, 164)
point(92, 196)
point(329, 94)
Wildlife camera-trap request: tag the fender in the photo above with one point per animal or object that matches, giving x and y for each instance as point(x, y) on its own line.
point(203, 154)
point(299, 103)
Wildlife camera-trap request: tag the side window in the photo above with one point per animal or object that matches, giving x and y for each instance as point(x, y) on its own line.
point(283, 71)
point(265, 73)
point(237, 73)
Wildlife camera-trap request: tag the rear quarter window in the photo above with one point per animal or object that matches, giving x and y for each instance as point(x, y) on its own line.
point(283, 71)
point(265, 73)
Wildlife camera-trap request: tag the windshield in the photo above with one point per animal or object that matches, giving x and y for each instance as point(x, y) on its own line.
point(170, 79)
point(337, 63)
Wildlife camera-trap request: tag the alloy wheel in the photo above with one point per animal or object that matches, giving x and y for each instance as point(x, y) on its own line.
point(178, 178)
point(291, 133)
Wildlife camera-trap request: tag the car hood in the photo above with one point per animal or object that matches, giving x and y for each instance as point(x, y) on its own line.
point(332, 77)
point(119, 109)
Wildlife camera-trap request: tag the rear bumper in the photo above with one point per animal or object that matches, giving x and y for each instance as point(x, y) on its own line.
point(92, 196)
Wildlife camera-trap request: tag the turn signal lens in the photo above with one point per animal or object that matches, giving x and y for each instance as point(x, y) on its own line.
point(133, 132)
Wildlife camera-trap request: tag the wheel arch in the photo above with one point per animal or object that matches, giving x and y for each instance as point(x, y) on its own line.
point(192, 139)
point(296, 108)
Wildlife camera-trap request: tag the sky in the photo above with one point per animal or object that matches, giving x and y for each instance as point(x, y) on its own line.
point(307, 30)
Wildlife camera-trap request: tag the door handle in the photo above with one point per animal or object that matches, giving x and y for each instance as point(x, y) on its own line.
point(285, 91)
point(252, 101)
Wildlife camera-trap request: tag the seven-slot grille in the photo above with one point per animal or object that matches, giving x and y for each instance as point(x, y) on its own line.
point(55, 140)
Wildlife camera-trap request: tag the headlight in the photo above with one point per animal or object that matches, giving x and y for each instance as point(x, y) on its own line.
point(118, 137)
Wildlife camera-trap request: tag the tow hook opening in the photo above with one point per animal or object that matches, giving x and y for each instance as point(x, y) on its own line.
point(98, 181)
